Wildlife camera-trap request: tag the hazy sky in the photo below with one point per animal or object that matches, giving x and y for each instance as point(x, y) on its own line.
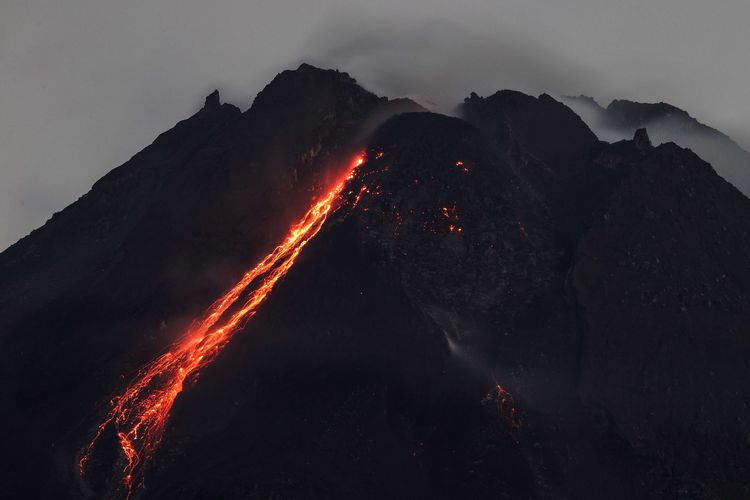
point(85, 84)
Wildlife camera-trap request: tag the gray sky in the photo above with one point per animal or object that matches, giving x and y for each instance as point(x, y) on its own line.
point(85, 84)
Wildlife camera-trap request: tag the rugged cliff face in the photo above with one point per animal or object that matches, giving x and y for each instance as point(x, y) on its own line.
point(504, 306)
point(662, 278)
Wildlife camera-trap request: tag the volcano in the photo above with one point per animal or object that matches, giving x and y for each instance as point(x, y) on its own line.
point(339, 295)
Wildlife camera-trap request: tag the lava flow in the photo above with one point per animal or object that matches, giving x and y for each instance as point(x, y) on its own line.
point(140, 413)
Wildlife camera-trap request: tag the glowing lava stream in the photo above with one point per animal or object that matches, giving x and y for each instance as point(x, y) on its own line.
point(140, 413)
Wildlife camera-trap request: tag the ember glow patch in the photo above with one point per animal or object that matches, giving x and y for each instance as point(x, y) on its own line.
point(140, 413)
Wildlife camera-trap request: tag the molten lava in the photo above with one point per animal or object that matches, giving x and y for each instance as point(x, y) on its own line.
point(505, 404)
point(140, 413)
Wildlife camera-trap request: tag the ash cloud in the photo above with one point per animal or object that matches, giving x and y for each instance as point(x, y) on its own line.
point(439, 62)
point(88, 83)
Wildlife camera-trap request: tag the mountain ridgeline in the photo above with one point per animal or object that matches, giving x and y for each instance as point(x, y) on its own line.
point(511, 308)
point(667, 123)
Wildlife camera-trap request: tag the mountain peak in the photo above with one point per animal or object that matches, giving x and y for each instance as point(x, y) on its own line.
point(308, 67)
point(308, 70)
point(311, 92)
point(630, 113)
point(213, 101)
point(642, 140)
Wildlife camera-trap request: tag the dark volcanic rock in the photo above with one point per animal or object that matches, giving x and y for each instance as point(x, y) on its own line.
point(663, 281)
point(213, 101)
point(81, 239)
point(642, 141)
point(555, 140)
point(447, 210)
point(346, 376)
point(550, 149)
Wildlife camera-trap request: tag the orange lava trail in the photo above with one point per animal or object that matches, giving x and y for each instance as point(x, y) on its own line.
point(140, 413)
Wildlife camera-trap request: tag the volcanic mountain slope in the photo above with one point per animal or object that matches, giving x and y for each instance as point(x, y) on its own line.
point(667, 123)
point(85, 236)
point(550, 149)
point(105, 284)
point(344, 385)
point(602, 285)
point(660, 278)
point(663, 281)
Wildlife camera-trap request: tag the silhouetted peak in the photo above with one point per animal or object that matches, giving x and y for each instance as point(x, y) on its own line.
point(308, 67)
point(511, 98)
point(544, 127)
point(312, 89)
point(642, 140)
point(637, 114)
point(213, 101)
point(306, 70)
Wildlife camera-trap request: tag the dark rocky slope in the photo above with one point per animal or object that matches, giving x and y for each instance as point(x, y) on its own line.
point(663, 281)
point(345, 384)
point(108, 282)
point(659, 276)
point(603, 285)
point(549, 148)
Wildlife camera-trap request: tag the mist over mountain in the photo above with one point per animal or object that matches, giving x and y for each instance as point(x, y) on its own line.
point(87, 83)
point(667, 123)
point(495, 305)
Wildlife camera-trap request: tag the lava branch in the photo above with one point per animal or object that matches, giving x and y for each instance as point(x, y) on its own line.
point(140, 413)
